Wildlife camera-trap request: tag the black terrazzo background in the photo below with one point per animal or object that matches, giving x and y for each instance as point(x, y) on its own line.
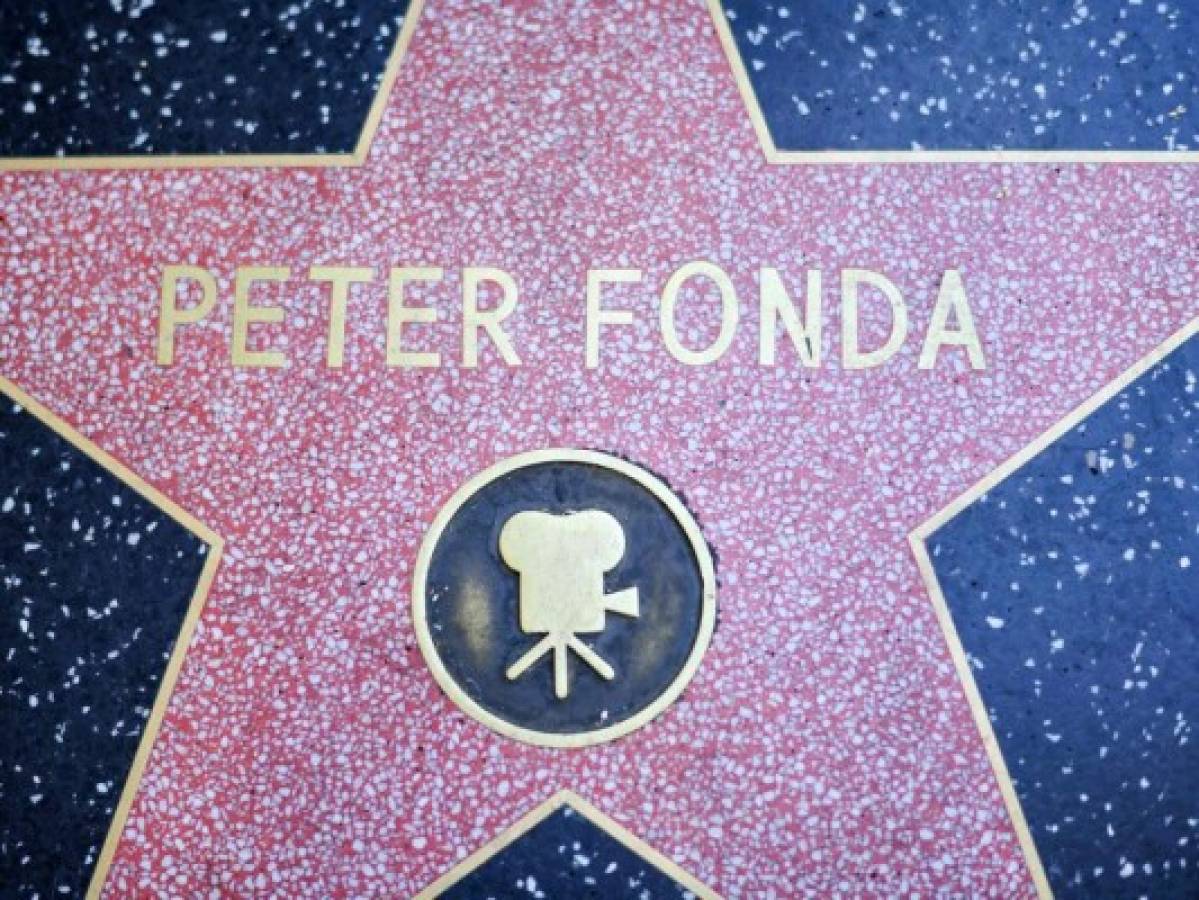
point(566, 856)
point(973, 74)
point(95, 582)
point(1073, 587)
point(122, 77)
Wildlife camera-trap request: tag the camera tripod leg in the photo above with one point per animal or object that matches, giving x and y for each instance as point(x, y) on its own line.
point(592, 658)
point(561, 672)
point(538, 650)
point(559, 644)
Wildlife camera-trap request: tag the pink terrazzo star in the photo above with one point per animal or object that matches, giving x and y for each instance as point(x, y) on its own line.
point(825, 744)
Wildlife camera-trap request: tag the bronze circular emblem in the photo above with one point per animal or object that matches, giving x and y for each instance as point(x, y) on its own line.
point(564, 597)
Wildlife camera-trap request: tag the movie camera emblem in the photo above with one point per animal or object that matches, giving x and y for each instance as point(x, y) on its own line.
point(564, 597)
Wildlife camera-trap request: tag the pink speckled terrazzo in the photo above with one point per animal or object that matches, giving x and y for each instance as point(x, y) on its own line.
point(825, 745)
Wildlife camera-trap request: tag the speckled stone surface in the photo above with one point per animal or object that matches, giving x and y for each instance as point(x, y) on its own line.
point(1072, 587)
point(94, 584)
point(139, 77)
point(983, 74)
point(825, 745)
point(566, 856)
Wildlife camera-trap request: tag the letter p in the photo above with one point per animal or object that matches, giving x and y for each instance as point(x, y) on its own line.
point(170, 316)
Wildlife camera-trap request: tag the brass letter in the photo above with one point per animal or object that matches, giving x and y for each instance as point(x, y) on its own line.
point(952, 298)
point(852, 356)
point(340, 278)
point(474, 319)
point(171, 316)
point(775, 303)
point(398, 315)
point(244, 315)
point(596, 316)
point(728, 314)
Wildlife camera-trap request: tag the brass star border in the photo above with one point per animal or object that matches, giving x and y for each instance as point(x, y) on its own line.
point(195, 605)
point(919, 537)
point(539, 814)
point(353, 159)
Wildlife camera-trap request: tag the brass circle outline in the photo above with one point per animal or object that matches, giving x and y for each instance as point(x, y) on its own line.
point(502, 726)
